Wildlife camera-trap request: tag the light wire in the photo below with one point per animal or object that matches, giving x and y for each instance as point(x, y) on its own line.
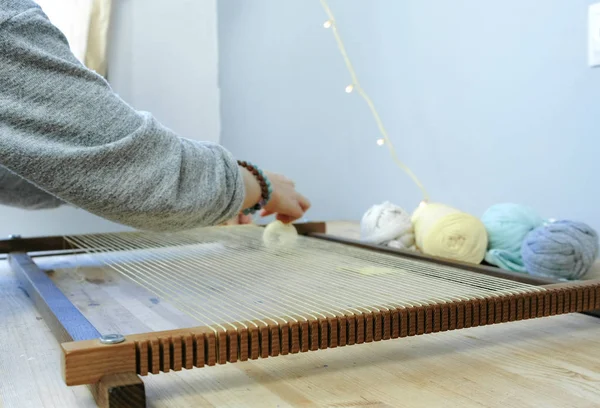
point(332, 24)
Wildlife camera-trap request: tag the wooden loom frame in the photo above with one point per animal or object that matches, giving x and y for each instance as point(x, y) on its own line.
point(113, 371)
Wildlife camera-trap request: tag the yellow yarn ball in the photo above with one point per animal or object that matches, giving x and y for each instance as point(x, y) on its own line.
point(446, 232)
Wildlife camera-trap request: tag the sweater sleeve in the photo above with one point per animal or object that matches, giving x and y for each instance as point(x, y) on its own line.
point(18, 192)
point(64, 130)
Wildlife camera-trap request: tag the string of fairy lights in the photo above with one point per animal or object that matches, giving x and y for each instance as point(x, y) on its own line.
point(355, 86)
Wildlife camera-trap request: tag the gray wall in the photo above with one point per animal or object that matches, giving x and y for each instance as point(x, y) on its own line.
point(486, 102)
point(163, 59)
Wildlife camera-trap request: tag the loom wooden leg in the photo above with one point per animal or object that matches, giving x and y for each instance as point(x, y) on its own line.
point(120, 391)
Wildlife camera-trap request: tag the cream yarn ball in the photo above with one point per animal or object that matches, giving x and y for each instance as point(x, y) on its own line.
point(446, 232)
point(279, 235)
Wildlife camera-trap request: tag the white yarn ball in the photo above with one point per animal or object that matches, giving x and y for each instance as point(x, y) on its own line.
point(388, 224)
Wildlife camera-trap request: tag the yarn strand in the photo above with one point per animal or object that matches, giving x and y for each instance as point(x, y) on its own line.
point(363, 94)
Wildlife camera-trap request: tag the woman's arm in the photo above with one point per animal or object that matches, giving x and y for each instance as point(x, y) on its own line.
point(252, 188)
point(63, 129)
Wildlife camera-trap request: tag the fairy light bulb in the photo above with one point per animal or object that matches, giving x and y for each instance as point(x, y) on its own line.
point(380, 142)
point(328, 24)
point(349, 88)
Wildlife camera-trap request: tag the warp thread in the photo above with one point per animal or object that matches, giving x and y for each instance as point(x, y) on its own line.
point(562, 249)
point(507, 225)
point(388, 224)
point(446, 232)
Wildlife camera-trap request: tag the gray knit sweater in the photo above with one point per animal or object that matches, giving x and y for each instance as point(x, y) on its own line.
point(66, 137)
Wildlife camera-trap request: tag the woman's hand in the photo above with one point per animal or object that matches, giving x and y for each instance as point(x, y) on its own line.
point(285, 202)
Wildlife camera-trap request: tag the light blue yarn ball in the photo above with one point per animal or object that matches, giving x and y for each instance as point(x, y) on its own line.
point(560, 250)
point(507, 224)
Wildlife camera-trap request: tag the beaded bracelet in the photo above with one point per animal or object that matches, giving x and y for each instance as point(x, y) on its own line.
point(265, 187)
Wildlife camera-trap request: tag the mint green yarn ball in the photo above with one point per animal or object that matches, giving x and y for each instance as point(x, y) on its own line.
point(507, 225)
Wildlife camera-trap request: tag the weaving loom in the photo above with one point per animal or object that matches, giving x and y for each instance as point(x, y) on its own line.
point(250, 299)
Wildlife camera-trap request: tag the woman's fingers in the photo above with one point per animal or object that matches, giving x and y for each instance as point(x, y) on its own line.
point(297, 212)
point(304, 203)
point(293, 210)
point(285, 218)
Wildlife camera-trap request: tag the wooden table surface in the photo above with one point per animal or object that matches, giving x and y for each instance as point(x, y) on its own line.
point(550, 362)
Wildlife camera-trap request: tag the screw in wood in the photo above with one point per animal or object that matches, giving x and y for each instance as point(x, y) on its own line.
point(112, 339)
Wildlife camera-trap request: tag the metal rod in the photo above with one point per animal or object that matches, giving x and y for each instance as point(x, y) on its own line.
point(62, 317)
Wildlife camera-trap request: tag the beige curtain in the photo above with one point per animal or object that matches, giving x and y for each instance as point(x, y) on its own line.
point(85, 23)
point(95, 55)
